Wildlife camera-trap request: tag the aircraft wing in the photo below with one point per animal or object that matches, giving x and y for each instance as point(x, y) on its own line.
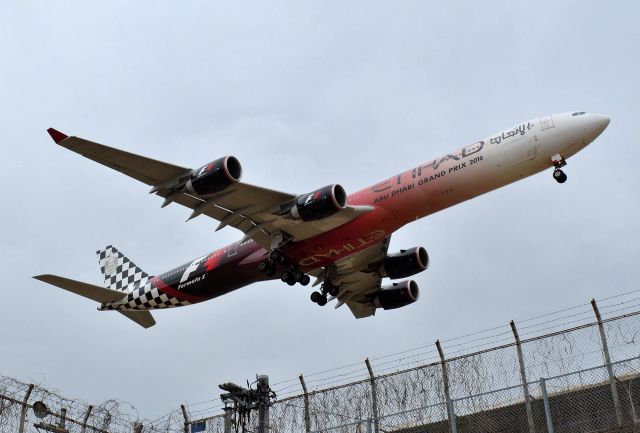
point(256, 211)
point(357, 278)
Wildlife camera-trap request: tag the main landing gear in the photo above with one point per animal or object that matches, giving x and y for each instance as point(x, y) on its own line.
point(559, 162)
point(290, 274)
point(320, 297)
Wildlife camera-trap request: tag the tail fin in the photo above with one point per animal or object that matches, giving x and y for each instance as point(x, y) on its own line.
point(119, 272)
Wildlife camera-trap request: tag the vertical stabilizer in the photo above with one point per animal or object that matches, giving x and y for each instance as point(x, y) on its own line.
point(119, 272)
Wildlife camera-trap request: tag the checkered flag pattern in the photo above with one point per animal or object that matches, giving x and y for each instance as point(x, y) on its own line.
point(148, 298)
point(119, 272)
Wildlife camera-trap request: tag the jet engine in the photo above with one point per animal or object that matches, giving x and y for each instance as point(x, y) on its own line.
point(215, 176)
point(404, 263)
point(319, 204)
point(397, 295)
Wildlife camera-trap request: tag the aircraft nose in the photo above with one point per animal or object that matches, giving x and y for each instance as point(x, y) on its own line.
point(593, 126)
point(600, 122)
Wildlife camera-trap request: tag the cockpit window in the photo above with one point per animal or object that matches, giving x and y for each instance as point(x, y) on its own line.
point(578, 113)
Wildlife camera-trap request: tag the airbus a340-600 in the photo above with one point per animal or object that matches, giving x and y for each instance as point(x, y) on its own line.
point(341, 240)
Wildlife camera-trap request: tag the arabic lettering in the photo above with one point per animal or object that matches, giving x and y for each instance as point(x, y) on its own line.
point(518, 130)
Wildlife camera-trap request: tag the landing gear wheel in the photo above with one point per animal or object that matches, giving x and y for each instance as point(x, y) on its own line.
point(297, 275)
point(559, 176)
point(291, 282)
point(305, 280)
point(263, 266)
point(319, 298)
point(285, 276)
point(330, 289)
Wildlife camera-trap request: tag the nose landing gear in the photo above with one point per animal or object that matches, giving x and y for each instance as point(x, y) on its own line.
point(559, 162)
point(559, 176)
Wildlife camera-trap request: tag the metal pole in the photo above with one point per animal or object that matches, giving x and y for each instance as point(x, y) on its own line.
point(445, 378)
point(263, 404)
point(307, 416)
point(23, 412)
point(186, 418)
point(547, 409)
point(523, 378)
point(227, 419)
point(85, 419)
point(374, 397)
point(607, 360)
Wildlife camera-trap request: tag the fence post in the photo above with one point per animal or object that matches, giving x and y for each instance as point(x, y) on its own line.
point(63, 418)
point(374, 397)
point(264, 401)
point(523, 378)
point(25, 407)
point(607, 360)
point(307, 416)
point(186, 418)
point(85, 418)
point(445, 378)
point(547, 409)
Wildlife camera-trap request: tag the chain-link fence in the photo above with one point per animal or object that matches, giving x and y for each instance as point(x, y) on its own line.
point(581, 375)
point(576, 373)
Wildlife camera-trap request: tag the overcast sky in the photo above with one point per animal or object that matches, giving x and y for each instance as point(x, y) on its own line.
point(304, 94)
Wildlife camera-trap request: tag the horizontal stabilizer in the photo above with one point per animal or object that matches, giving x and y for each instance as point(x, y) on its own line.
point(142, 318)
point(95, 293)
point(98, 294)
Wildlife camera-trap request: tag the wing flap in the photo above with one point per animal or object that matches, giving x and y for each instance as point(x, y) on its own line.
point(361, 310)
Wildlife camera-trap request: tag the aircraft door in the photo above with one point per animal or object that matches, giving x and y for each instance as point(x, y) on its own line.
point(547, 123)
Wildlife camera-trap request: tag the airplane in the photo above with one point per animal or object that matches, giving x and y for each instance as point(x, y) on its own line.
point(341, 240)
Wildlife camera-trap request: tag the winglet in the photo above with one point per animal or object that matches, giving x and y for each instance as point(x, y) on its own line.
point(57, 135)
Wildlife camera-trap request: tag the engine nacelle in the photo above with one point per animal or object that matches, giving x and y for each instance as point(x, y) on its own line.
point(405, 263)
point(320, 204)
point(397, 295)
point(215, 176)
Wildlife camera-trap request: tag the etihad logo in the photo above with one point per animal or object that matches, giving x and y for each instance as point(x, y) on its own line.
point(345, 249)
